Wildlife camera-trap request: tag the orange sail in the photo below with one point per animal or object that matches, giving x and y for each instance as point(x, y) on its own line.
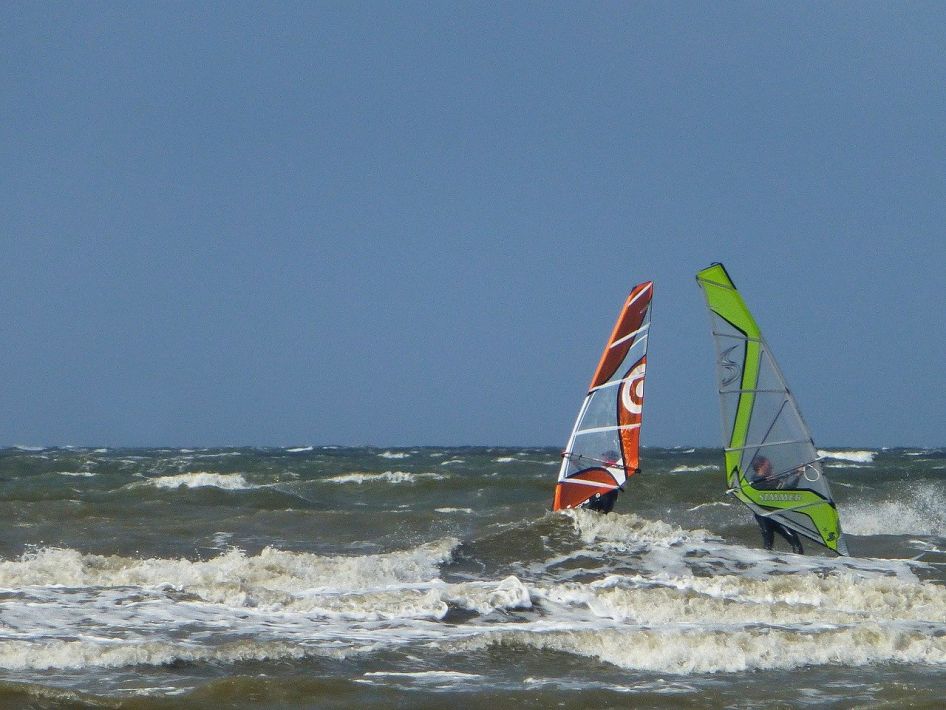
point(602, 450)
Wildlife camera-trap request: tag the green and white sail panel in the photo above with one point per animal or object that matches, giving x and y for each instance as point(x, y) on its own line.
point(761, 419)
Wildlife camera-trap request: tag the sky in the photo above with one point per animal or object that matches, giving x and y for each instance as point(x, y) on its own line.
point(413, 223)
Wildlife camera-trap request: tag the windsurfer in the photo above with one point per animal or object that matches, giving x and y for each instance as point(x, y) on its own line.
point(764, 478)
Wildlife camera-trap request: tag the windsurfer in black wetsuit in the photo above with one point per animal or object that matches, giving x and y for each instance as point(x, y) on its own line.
point(604, 502)
point(764, 478)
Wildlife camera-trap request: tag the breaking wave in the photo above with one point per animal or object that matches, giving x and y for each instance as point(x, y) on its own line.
point(853, 456)
point(386, 477)
point(201, 479)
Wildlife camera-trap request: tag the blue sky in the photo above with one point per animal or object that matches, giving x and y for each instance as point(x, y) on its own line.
point(414, 223)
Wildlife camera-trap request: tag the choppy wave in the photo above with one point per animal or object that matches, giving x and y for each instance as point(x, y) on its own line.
point(688, 651)
point(394, 455)
point(200, 479)
point(233, 577)
point(911, 509)
point(695, 468)
point(631, 530)
point(854, 456)
point(386, 477)
point(395, 572)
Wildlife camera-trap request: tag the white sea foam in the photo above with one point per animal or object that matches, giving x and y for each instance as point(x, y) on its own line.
point(233, 577)
point(686, 651)
point(86, 611)
point(631, 530)
point(423, 674)
point(452, 462)
point(917, 509)
point(699, 467)
point(386, 477)
point(77, 474)
point(394, 455)
point(454, 510)
point(300, 450)
point(86, 653)
point(714, 504)
point(506, 459)
point(200, 479)
point(854, 456)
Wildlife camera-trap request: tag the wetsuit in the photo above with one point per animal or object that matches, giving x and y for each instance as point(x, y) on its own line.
point(769, 527)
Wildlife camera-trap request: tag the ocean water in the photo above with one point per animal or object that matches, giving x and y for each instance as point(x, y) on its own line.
point(319, 577)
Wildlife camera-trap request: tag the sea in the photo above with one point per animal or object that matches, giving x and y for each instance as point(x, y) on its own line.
point(432, 577)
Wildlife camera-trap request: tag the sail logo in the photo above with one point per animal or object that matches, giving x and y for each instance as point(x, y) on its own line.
point(730, 368)
point(632, 393)
point(779, 497)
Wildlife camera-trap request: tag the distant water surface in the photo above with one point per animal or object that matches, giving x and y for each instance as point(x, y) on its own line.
point(425, 577)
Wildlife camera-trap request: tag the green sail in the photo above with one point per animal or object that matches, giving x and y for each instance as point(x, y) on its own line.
point(761, 418)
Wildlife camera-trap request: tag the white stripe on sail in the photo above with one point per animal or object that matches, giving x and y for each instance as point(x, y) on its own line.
point(629, 336)
point(598, 429)
point(596, 484)
point(640, 294)
point(614, 383)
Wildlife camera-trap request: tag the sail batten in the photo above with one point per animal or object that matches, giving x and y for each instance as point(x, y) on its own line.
point(767, 443)
point(630, 335)
point(762, 424)
point(599, 429)
point(603, 448)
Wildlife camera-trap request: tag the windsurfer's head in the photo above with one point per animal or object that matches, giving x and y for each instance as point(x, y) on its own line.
point(761, 465)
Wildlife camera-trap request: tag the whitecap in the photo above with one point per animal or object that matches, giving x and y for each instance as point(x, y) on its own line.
point(386, 477)
point(200, 479)
point(694, 469)
point(855, 456)
point(394, 454)
point(917, 509)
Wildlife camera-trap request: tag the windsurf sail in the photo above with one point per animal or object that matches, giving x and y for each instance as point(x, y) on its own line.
point(771, 462)
point(602, 451)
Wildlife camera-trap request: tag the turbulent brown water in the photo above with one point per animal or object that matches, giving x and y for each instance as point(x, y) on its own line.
point(422, 577)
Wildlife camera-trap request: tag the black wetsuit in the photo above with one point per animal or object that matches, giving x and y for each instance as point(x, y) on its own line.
point(602, 502)
point(769, 527)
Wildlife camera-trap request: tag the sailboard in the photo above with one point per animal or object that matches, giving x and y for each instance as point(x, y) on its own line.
point(603, 449)
point(763, 429)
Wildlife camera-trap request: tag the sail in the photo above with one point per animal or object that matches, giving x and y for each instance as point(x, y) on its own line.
point(602, 450)
point(763, 430)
